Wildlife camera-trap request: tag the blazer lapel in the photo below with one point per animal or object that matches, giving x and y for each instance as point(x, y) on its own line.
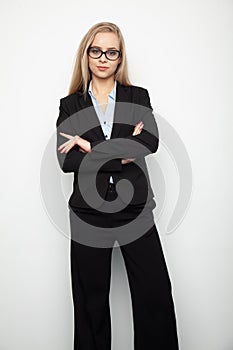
point(122, 95)
point(88, 110)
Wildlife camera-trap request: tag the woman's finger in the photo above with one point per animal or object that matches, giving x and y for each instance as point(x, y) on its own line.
point(138, 128)
point(63, 145)
point(128, 160)
point(66, 149)
point(66, 135)
point(67, 146)
point(135, 130)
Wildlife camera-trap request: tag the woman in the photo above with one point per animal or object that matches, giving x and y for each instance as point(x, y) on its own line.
point(102, 154)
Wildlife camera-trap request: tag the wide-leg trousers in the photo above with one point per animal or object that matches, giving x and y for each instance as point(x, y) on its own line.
point(153, 309)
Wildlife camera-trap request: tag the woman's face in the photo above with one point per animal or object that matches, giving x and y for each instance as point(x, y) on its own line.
point(104, 41)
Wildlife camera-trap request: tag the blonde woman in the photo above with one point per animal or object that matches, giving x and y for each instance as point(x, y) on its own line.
point(106, 127)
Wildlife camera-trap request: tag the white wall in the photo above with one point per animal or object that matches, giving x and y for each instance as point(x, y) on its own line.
point(186, 64)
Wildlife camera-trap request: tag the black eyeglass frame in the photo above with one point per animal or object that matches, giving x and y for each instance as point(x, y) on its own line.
point(103, 52)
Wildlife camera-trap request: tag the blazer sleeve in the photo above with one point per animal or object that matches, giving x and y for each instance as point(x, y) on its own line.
point(147, 141)
point(71, 161)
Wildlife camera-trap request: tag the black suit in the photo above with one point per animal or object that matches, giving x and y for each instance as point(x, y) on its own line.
point(78, 116)
point(150, 286)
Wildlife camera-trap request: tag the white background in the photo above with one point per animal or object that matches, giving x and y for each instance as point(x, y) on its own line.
point(181, 51)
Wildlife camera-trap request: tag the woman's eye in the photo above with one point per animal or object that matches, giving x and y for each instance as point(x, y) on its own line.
point(112, 53)
point(95, 51)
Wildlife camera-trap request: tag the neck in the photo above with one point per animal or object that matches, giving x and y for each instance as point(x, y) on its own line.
point(102, 86)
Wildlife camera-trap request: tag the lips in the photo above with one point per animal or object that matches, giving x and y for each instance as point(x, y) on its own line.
point(102, 67)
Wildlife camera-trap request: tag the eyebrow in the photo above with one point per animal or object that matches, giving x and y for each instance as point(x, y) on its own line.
point(99, 47)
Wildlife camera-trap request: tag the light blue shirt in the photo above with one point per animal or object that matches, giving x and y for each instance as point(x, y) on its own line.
point(105, 119)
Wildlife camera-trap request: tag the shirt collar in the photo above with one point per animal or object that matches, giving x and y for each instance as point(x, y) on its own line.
point(112, 94)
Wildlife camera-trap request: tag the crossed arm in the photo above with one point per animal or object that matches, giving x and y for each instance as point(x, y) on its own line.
point(119, 151)
point(85, 146)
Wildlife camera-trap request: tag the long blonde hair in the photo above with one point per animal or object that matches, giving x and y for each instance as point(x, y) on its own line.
point(81, 73)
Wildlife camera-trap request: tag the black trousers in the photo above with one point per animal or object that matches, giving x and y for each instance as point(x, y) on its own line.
point(150, 287)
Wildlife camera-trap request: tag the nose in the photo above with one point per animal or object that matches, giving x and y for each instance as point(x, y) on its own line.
point(103, 58)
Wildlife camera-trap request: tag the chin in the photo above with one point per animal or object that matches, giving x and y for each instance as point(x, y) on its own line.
point(103, 75)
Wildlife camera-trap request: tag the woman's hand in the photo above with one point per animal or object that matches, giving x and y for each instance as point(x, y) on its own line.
point(125, 161)
point(137, 130)
point(84, 145)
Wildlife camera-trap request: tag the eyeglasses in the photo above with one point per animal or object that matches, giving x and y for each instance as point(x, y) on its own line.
point(111, 55)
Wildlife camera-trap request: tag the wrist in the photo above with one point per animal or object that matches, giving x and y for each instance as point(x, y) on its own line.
point(76, 139)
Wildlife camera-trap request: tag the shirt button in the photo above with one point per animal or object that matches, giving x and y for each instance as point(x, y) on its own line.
point(104, 122)
point(106, 136)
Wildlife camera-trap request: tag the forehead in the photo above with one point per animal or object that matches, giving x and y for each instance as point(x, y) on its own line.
point(106, 40)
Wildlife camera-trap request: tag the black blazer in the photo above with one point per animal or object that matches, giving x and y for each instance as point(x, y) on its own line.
point(92, 170)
